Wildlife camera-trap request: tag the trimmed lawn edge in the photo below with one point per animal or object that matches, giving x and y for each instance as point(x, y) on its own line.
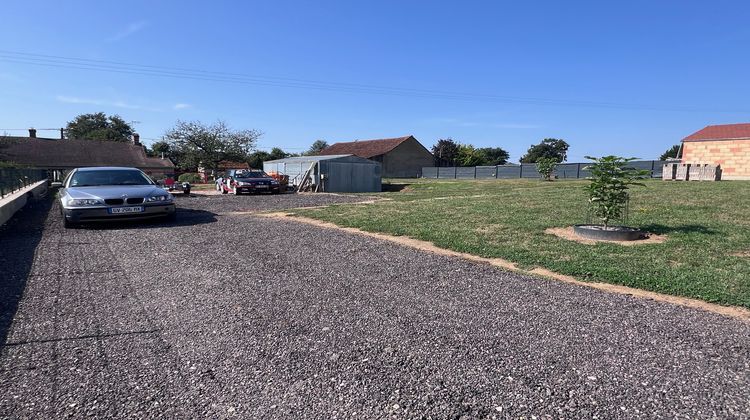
point(729, 311)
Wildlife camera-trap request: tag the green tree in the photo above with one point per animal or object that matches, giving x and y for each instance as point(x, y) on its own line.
point(671, 153)
point(99, 126)
point(445, 152)
point(493, 156)
point(277, 153)
point(316, 147)
point(546, 167)
point(468, 155)
point(256, 159)
point(610, 181)
point(198, 144)
point(551, 148)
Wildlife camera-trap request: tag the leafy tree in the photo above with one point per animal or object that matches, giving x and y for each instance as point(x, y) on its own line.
point(445, 152)
point(277, 153)
point(99, 126)
point(198, 144)
point(160, 147)
point(316, 147)
point(546, 167)
point(256, 159)
point(552, 148)
point(468, 155)
point(493, 156)
point(671, 153)
point(610, 181)
point(190, 177)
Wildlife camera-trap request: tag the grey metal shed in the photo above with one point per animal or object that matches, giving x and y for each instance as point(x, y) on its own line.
point(332, 173)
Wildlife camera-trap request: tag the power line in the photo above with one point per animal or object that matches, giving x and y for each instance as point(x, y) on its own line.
point(271, 81)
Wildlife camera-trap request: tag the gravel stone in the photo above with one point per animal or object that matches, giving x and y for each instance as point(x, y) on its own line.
point(224, 315)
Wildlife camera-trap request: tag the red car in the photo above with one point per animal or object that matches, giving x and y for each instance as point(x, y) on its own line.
point(238, 181)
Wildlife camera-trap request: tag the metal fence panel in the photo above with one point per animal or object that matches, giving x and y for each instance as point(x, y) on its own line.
point(466, 172)
point(447, 172)
point(430, 172)
point(486, 172)
point(528, 170)
point(508, 171)
point(14, 179)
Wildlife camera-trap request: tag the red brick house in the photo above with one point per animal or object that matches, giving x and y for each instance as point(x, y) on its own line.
point(727, 145)
point(400, 157)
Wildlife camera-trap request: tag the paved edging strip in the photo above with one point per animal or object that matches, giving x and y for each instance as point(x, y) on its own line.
point(729, 311)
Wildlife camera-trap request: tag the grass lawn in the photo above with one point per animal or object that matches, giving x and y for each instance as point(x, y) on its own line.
point(706, 254)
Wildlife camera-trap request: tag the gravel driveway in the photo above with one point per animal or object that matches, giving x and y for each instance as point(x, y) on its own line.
point(227, 315)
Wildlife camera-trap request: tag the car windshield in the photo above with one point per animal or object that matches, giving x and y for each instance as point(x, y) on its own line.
point(251, 174)
point(108, 177)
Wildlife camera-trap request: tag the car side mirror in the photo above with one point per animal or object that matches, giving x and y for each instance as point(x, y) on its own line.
point(56, 184)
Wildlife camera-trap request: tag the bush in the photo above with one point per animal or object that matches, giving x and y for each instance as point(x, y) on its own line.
point(189, 177)
point(546, 166)
point(610, 180)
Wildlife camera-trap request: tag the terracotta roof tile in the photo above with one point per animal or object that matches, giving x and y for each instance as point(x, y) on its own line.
point(721, 132)
point(364, 148)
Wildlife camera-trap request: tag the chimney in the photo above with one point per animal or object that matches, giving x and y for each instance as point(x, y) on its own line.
point(32, 133)
point(136, 139)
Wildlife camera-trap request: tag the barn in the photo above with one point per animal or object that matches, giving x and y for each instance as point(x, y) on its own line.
point(334, 173)
point(400, 157)
point(727, 145)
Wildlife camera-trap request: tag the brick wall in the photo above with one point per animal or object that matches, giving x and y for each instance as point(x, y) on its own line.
point(732, 155)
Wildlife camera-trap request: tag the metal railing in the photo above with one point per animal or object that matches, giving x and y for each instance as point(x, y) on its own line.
point(14, 179)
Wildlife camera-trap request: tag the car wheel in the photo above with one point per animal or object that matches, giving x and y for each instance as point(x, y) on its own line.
point(223, 191)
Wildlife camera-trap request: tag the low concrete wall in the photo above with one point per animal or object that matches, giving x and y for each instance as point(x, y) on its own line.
point(10, 204)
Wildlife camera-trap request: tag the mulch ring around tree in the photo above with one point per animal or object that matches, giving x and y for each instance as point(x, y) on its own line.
point(567, 233)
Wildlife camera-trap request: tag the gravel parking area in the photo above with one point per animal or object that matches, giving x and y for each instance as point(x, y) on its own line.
point(224, 315)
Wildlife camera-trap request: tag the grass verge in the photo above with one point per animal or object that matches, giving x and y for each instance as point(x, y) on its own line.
point(707, 225)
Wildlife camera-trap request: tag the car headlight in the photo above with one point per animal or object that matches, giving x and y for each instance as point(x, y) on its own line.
point(159, 198)
point(274, 182)
point(77, 202)
point(243, 184)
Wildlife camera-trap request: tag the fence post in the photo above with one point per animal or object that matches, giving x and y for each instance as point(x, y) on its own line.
point(578, 170)
point(475, 172)
point(520, 171)
point(652, 169)
point(497, 172)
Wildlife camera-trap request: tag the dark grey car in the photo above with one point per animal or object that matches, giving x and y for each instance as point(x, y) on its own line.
point(112, 193)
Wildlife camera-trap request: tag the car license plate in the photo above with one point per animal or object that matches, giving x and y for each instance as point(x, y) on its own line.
point(124, 210)
point(261, 186)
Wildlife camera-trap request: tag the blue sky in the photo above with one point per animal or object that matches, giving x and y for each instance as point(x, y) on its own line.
point(628, 78)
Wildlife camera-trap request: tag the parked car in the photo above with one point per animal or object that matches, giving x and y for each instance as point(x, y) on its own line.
point(112, 193)
point(238, 181)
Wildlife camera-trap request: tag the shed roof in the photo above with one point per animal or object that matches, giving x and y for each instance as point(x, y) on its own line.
point(721, 132)
point(55, 153)
point(365, 148)
point(318, 158)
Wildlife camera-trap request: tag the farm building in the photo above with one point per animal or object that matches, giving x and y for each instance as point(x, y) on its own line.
point(401, 157)
point(334, 173)
point(726, 145)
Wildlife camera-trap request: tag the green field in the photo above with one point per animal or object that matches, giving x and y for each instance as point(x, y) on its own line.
point(706, 254)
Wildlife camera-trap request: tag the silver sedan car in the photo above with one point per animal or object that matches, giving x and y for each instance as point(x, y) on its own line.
point(112, 193)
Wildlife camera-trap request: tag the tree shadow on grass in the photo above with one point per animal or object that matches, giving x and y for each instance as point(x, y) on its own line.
point(19, 238)
point(663, 229)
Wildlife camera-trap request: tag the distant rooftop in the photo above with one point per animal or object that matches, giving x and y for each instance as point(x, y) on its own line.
point(365, 148)
point(721, 132)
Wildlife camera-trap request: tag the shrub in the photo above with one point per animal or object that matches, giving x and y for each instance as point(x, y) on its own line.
point(189, 177)
point(610, 181)
point(546, 166)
